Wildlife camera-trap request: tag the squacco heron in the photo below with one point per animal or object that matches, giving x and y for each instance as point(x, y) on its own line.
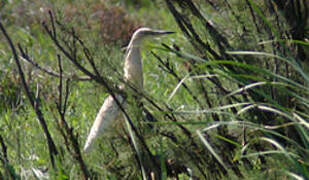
point(133, 74)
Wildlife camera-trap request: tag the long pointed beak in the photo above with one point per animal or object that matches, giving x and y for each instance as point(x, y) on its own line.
point(162, 32)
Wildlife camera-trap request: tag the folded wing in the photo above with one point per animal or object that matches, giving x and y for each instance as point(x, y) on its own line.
point(107, 115)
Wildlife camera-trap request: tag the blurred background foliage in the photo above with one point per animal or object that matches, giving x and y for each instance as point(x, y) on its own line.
point(228, 92)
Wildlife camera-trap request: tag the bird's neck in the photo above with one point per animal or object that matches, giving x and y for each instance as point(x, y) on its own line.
point(133, 55)
point(134, 44)
point(133, 68)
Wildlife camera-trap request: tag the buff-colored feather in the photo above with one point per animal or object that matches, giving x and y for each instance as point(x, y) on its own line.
point(133, 74)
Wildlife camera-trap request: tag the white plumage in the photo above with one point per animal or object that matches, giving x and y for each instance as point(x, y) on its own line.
point(133, 74)
point(109, 112)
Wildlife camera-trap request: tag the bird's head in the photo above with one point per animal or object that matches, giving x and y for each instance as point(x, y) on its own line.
point(145, 33)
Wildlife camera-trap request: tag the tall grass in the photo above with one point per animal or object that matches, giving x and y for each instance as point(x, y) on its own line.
point(225, 98)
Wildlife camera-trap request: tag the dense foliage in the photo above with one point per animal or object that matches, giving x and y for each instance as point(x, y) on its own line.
point(226, 97)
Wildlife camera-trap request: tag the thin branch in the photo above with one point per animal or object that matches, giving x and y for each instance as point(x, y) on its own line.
point(26, 57)
point(68, 131)
point(51, 145)
point(173, 73)
point(4, 149)
point(100, 80)
point(5, 161)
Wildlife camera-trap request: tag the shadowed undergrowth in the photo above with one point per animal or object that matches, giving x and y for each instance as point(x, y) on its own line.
point(225, 98)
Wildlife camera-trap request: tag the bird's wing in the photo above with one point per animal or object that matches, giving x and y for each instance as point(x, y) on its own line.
point(106, 117)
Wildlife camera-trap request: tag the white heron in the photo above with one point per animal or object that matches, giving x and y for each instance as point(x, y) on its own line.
point(133, 74)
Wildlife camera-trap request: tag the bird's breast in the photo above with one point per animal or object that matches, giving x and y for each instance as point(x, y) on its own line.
point(133, 68)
